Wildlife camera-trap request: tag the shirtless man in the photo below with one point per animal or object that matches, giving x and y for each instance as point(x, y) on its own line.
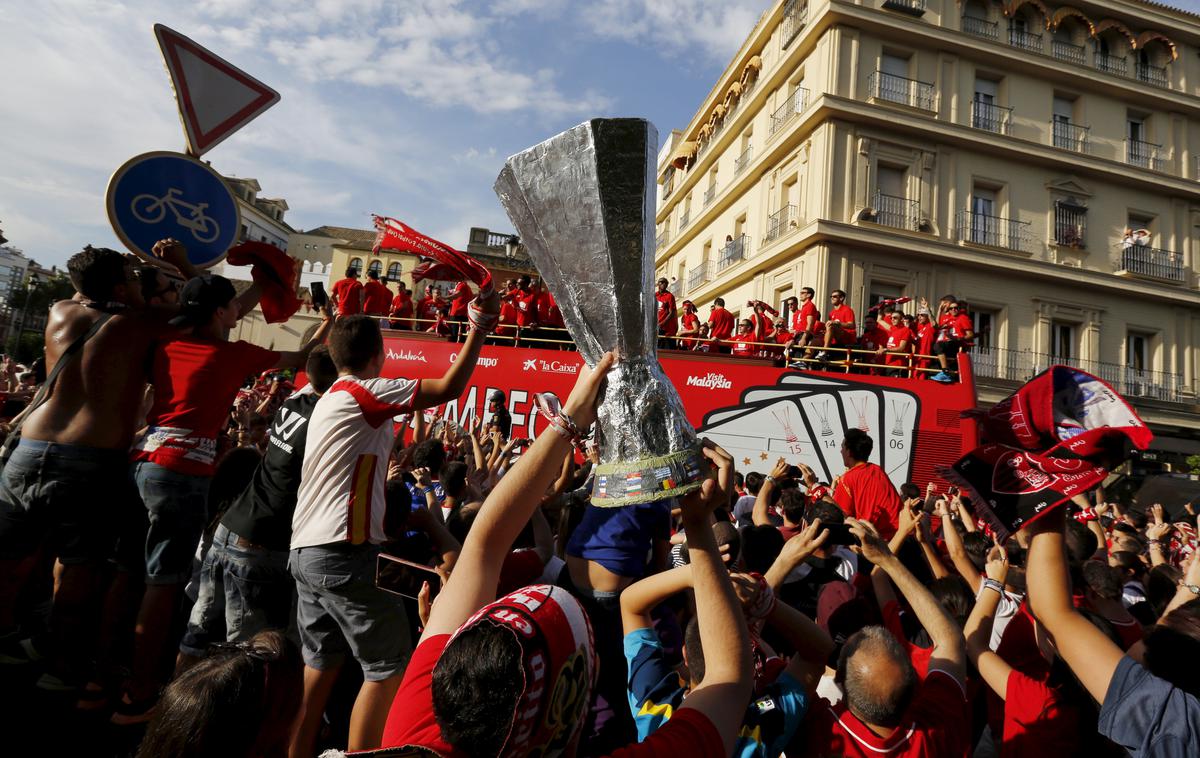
point(63, 485)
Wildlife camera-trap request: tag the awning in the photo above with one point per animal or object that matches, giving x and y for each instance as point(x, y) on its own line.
point(1109, 23)
point(754, 64)
point(1015, 5)
point(720, 110)
point(735, 90)
point(1147, 37)
point(683, 153)
point(704, 132)
point(1063, 13)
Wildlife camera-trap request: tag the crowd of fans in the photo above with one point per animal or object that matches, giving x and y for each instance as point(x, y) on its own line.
point(888, 342)
point(760, 615)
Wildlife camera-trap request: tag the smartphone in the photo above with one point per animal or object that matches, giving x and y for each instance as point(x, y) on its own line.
point(319, 296)
point(401, 577)
point(839, 534)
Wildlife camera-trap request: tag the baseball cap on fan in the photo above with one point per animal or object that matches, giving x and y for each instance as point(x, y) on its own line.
point(201, 297)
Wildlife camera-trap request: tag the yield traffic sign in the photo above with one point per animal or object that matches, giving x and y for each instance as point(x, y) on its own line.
point(215, 97)
point(163, 194)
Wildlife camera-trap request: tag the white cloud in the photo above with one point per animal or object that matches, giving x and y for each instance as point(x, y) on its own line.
point(711, 30)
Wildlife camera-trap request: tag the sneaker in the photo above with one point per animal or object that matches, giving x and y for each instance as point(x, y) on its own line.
point(129, 713)
point(52, 683)
point(17, 651)
point(821, 356)
point(942, 377)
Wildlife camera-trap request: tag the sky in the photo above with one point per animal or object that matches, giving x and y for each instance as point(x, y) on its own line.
point(406, 108)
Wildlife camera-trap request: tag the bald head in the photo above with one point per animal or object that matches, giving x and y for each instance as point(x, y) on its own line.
point(877, 677)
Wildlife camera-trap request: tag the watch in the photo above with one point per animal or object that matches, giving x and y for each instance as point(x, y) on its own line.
point(1192, 588)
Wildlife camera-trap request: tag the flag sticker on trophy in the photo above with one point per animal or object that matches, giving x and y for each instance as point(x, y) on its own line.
point(583, 203)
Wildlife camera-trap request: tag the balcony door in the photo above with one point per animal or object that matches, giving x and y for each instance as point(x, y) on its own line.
point(893, 85)
point(983, 217)
point(985, 115)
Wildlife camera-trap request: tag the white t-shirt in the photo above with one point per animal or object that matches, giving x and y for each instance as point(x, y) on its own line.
point(345, 461)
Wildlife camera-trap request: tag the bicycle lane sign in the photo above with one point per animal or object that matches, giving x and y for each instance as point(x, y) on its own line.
point(165, 194)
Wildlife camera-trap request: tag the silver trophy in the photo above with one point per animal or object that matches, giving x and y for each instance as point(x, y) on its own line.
point(583, 203)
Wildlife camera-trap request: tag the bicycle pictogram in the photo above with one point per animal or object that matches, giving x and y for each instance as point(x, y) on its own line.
point(151, 210)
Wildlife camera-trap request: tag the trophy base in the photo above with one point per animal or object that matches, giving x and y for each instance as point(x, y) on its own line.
point(647, 480)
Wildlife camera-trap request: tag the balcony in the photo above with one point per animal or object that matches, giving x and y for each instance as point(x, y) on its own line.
point(781, 222)
point(663, 238)
point(709, 194)
point(1151, 262)
point(795, 17)
point(1022, 365)
point(980, 27)
point(684, 216)
point(991, 117)
point(897, 212)
point(1025, 40)
point(676, 288)
point(742, 161)
point(1153, 75)
point(911, 7)
point(1116, 65)
point(698, 276)
point(1145, 154)
point(1065, 51)
point(1068, 136)
point(734, 251)
point(993, 231)
point(795, 104)
point(1070, 225)
point(898, 89)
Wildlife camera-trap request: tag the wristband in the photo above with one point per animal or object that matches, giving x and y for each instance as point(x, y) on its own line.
point(550, 407)
point(992, 584)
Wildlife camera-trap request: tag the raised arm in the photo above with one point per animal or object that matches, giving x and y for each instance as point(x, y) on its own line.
point(723, 694)
point(297, 358)
point(763, 499)
point(949, 654)
point(1092, 656)
point(991, 667)
point(437, 391)
point(641, 597)
point(796, 551)
point(958, 554)
point(508, 508)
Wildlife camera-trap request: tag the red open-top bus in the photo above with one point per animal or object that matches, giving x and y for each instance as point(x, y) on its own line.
point(752, 408)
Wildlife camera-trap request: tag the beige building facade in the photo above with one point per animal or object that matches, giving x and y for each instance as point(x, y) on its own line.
point(994, 151)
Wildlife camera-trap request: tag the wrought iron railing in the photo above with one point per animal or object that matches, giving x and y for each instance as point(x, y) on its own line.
point(1025, 40)
point(794, 105)
point(991, 117)
point(1156, 75)
point(742, 161)
point(1144, 260)
point(1065, 51)
point(1070, 225)
point(676, 288)
point(735, 250)
point(1145, 154)
point(980, 27)
point(684, 216)
point(911, 7)
point(709, 194)
point(663, 238)
point(982, 229)
point(1022, 365)
point(1068, 136)
point(902, 90)
point(699, 275)
point(781, 222)
point(795, 16)
point(898, 212)
point(1112, 64)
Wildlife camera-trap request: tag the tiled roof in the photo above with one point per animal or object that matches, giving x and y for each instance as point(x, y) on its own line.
point(1165, 7)
point(344, 233)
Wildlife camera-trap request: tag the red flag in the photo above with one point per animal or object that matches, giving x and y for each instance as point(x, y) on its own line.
point(895, 301)
point(396, 235)
point(275, 274)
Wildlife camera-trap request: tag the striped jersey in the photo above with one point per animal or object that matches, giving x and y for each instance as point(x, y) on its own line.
point(346, 455)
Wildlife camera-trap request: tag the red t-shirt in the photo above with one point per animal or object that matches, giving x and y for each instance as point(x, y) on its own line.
point(668, 324)
point(427, 309)
point(691, 322)
point(402, 306)
point(411, 721)
point(763, 327)
point(938, 723)
point(873, 339)
point(376, 298)
point(526, 305)
point(800, 318)
point(865, 492)
point(720, 323)
point(898, 335)
point(961, 325)
point(548, 313)
point(744, 347)
point(461, 299)
point(346, 292)
point(844, 314)
point(945, 324)
point(925, 335)
point(195, 382)
point(508, 315)
point(918, 655)
point(1037, 720)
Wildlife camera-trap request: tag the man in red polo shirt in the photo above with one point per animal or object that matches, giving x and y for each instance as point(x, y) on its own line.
point(873, 339)
point(781, 337)
point(720, 324)
point(763, 320)
point(806, 320)
point(427, 307)
point(376, 296)
point(550, 318)
point(348, 294)
point(887, 710)
point(507, 330)
point(460, 298)
point(839, 325)
point(899, 346)
point(402, 308)
point(864, 492)
point(668, 316)
point(743, 341)
point(690, 325)
point(524, 299)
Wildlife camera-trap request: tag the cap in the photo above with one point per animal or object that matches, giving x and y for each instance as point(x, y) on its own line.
point(688, 302)
point(923, 312)
point(201, 297)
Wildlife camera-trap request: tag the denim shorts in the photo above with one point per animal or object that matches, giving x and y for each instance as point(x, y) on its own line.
point(340, 610)
point(244, 589)
point(177, 506)
point(65, 496)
